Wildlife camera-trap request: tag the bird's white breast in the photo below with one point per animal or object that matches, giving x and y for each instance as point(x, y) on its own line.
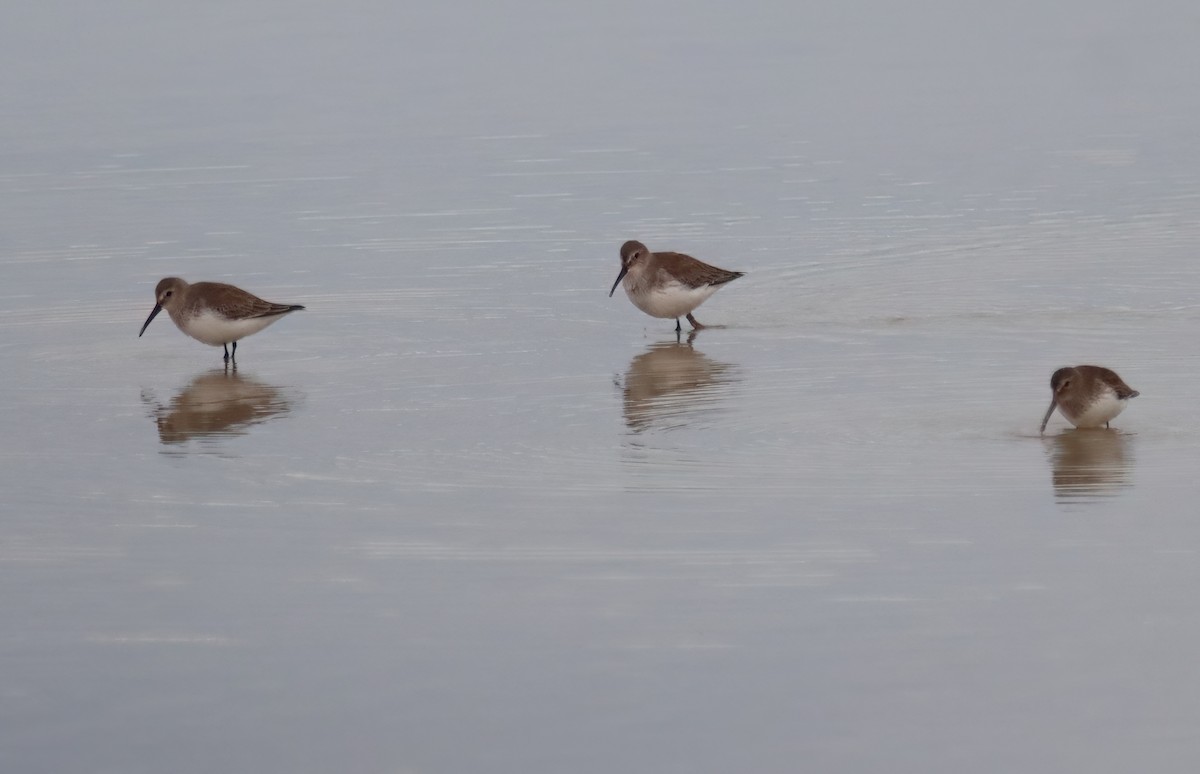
point(1103, 408)
point(670, 300)
point(215, 329)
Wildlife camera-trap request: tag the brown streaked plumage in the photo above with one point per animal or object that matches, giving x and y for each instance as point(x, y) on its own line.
point(668, 285)
point(213, 312)
point(1087, 395)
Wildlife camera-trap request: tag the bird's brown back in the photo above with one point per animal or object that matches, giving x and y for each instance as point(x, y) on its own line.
point(233, 302)
point(690, 271)
point(1095, 376)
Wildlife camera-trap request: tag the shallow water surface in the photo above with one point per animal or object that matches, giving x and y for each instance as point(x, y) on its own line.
point(465, 512)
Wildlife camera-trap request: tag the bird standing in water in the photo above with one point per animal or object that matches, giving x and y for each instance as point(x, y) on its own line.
point(668, 285)
point(1088, 395)
point(215, 313)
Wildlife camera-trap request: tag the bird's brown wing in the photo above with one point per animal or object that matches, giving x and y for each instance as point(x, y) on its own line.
point(694, 272)
point(1109, 377)
point(235, 303)
point(274, 309)
point(1124, 391)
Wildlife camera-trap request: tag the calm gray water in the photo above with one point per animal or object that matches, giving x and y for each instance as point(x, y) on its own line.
point(467, 513)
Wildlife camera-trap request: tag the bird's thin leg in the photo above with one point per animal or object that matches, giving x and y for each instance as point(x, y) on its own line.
point(226, 348)
point(678, 327)
point(695, 323)
point(234, 355)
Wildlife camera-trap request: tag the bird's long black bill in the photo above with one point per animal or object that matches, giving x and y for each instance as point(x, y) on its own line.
point(1049, 411)
point(620, 277)
point(157, 309)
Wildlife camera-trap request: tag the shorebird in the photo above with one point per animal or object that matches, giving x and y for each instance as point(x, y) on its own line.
point(668, 285)
point(1087, 395)
point(213, 312)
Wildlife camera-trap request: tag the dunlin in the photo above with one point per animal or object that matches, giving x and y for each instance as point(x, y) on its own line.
point(213, 312)
point(1087, 395)
point(668, 285)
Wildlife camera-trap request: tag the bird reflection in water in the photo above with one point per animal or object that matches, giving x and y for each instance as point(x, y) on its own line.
point(1090, 463)
point(217, 403)
point(668, 384)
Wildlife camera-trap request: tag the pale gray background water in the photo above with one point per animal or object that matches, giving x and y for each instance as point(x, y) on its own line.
point(466, 513)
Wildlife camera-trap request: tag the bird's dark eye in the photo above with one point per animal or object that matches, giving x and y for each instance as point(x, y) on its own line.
point(167, 294)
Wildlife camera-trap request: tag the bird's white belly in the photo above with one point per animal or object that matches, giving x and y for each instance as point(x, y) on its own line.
point(215, 330)
point(1102, 409)
point(671, 300)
